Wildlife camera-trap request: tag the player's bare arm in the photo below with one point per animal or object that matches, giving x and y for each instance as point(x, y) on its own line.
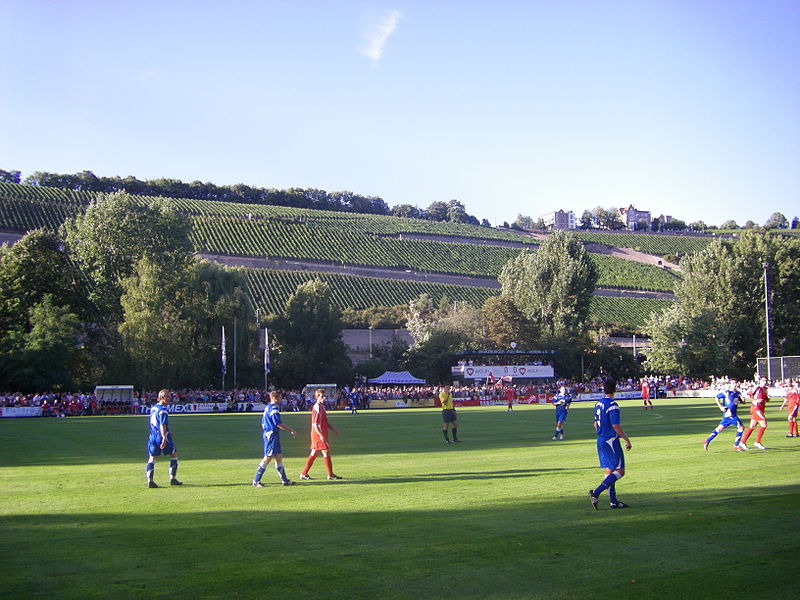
point(621, 433)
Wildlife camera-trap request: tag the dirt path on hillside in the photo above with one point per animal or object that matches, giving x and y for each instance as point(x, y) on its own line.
point(623, 253)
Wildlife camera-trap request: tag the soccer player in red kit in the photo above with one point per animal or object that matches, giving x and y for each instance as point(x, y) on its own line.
point(758, 404)
point(319, 437)
point(792, 403)
point(646, 394)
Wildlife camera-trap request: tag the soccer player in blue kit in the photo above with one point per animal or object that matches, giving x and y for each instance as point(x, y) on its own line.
point(561, 401)
point(609, 450)
point(728, 401)
point(160, 440)
point(271, 424)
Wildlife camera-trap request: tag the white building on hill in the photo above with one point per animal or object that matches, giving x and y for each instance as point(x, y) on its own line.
point(560, 220)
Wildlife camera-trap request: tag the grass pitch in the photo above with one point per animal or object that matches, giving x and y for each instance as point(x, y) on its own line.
point(502, 515)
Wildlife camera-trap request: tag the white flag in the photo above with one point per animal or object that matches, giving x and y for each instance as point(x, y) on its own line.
point(224, 355)
point(266, 351)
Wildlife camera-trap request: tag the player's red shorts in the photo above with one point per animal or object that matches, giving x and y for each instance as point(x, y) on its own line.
point(792, 410)
point(757, 413)
point(318, 445)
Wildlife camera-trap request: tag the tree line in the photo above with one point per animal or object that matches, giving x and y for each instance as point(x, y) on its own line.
point(451, 211)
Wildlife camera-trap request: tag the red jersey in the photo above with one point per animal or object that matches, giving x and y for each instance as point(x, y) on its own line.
point(792, 398)
point(645, 391)
point(319, 417)
point(758, 400)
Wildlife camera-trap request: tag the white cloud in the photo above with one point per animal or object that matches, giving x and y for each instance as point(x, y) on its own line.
point(378, 35)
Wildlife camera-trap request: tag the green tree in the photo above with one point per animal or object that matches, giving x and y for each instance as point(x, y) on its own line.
point(776, 221)
point(437, 211)
point(10, 176)
point(721, 307)
point(587, 220)
point(308, 338)
point(553, 286)
point(33, 267)
point(729, 224)
point(439, 330)
point(156, 337)
point(115, 233)
point(503, 324)
point(406, 210)
point(523, 222)
point(40, 359)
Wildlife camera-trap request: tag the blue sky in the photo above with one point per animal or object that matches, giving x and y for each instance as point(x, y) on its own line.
point(688, 108)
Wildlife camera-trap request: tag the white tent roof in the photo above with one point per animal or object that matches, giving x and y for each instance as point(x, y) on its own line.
point(397, 377)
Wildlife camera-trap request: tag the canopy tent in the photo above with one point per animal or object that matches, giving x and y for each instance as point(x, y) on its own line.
point(397, 378)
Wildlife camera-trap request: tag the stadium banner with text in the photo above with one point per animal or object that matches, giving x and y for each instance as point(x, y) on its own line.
point(20, 411)
point(192, 407)
point(499, 371)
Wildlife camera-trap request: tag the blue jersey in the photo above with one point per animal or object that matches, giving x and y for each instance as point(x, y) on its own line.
point(158, 416)
point(270, 420)
point(730, 401)
point(562, 401)
point(606, 414)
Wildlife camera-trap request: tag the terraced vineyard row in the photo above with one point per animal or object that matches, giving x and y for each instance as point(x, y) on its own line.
point(628, 275)
point(632, 311)
point(320, 241)
point(293, 233)
point(270, 290)
point(352, 222)
point(646, 242)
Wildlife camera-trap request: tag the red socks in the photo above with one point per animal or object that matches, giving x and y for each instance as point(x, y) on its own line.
point(309, 461)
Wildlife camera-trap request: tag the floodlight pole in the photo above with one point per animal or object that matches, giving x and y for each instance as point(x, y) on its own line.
point(766, 308)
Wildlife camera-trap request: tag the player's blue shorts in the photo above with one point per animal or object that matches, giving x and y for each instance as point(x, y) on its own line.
point(154, 446)
point(727, 421)
point(272, 444)
point(609, 451)
point(561, 414)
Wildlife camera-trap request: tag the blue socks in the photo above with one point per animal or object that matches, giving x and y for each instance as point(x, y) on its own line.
point(173, 468)
point(259, 473)
point(149, 469)
point(281, 472)
point(607, 483)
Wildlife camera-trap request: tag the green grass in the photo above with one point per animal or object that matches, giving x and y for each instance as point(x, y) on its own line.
point(503, 515)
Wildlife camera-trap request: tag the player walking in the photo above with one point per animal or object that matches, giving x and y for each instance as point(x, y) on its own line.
point(561, 401)
point(646, 394)
point(319, 437)
point(792, 402)
point(609, 451)
point(160, 440)
point(728, 401)
point(271, 425)
point(758, 403)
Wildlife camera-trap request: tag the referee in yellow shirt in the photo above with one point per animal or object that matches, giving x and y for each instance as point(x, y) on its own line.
point(448, 414)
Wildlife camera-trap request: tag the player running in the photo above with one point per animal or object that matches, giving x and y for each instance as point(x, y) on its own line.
point(759, 395)
point(728, 401)
point(271, 425)
point(792, 402)
point(561, 401)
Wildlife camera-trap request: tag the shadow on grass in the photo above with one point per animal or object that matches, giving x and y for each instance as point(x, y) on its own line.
point(666, 546)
